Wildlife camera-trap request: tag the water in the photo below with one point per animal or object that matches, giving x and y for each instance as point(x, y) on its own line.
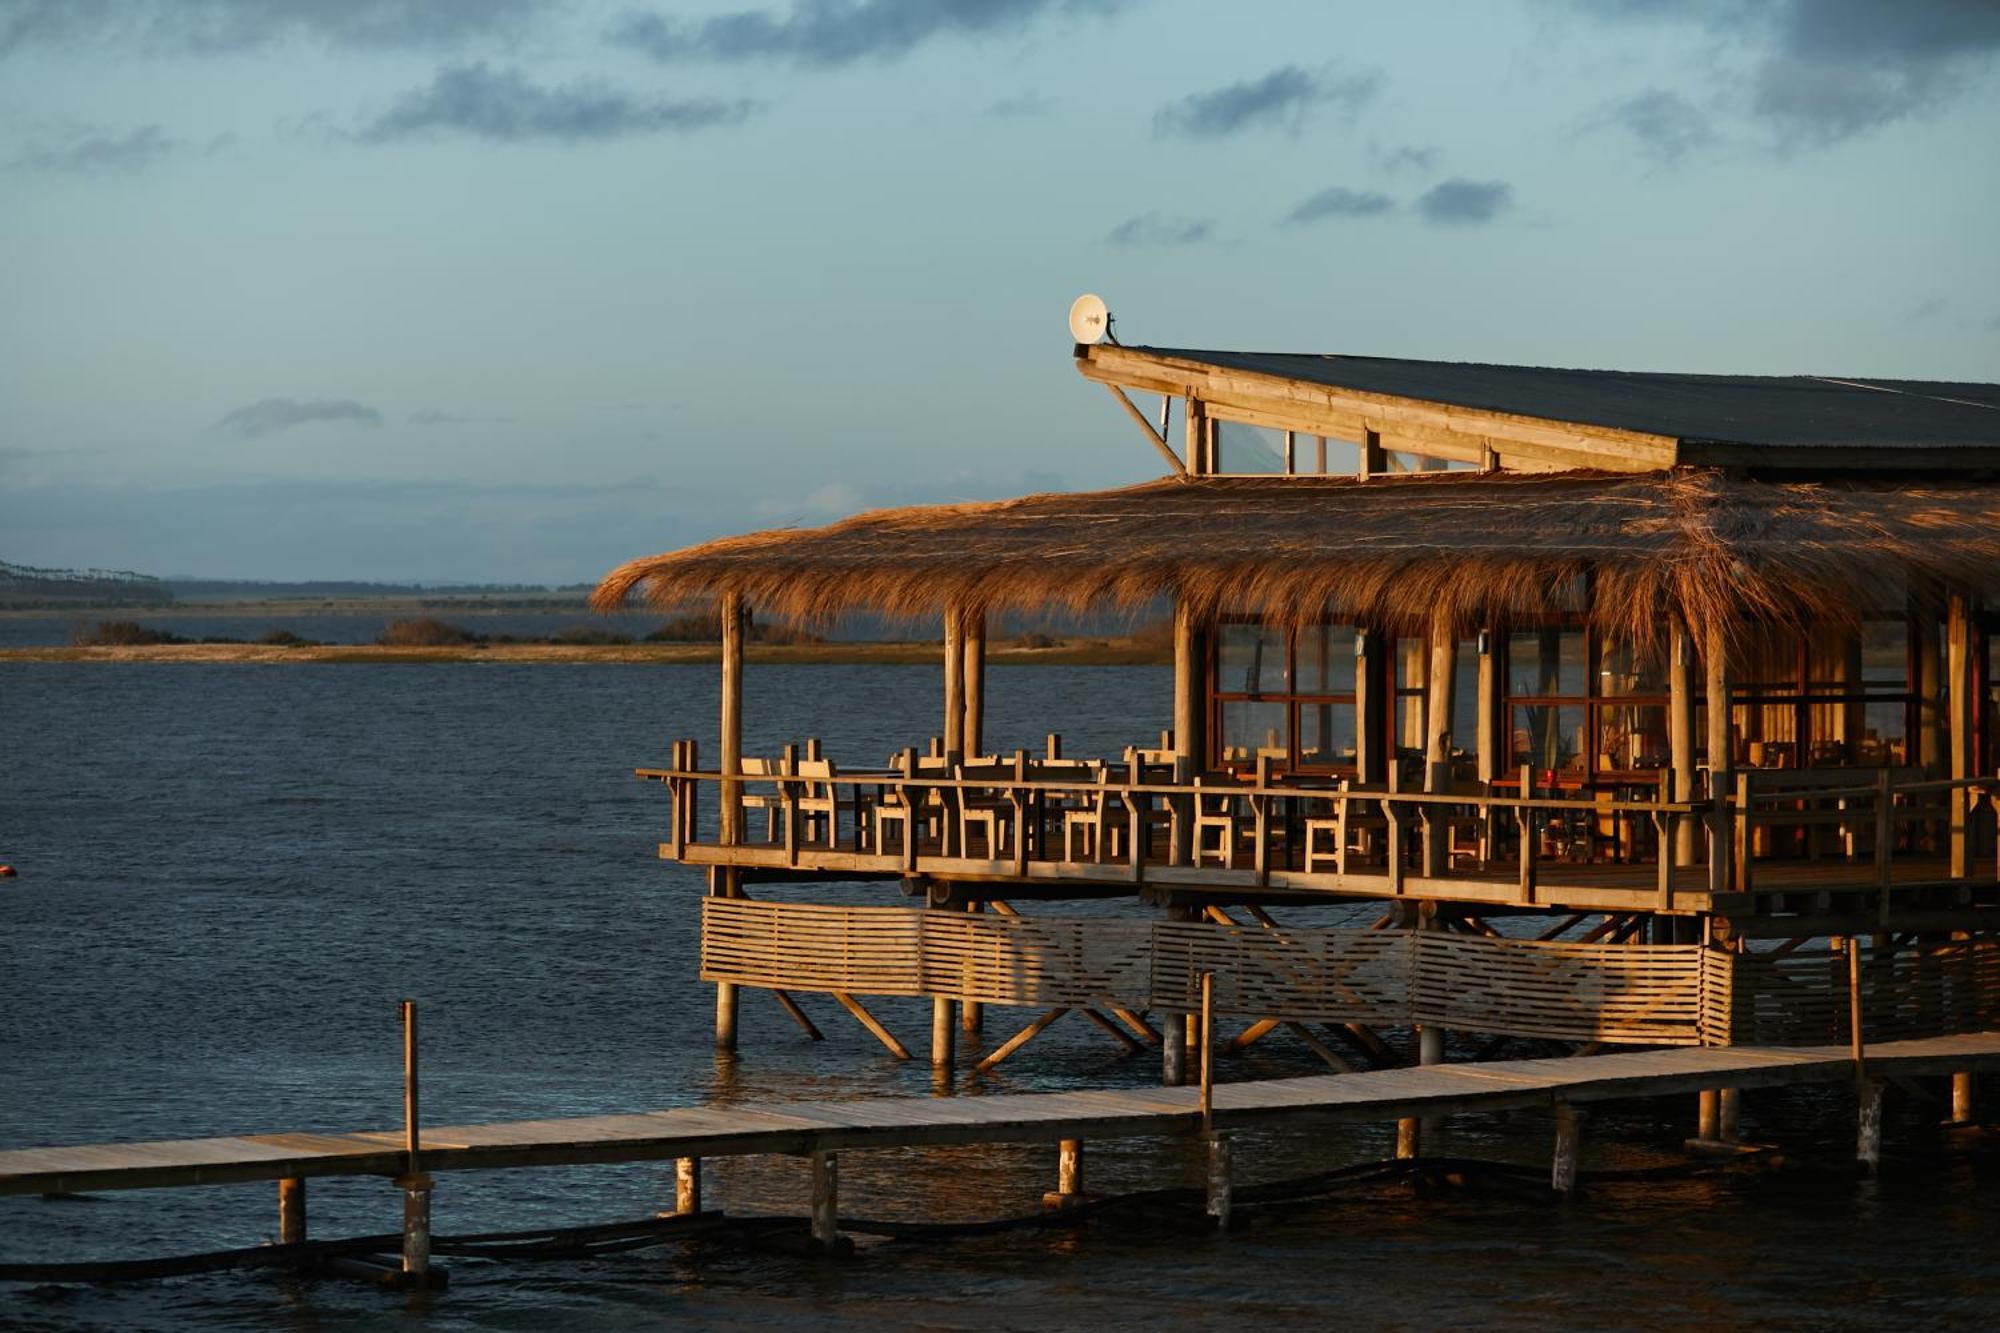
point(230, 873)
point(56, 629)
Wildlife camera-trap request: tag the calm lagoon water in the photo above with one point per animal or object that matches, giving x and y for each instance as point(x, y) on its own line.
point(230, 873)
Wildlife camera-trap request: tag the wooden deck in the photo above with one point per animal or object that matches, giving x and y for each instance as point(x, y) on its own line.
point(825, 1127)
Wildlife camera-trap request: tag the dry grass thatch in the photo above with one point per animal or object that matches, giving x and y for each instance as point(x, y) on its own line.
point(1478, 548)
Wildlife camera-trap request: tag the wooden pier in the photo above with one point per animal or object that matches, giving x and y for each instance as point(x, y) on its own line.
point(818, 1131)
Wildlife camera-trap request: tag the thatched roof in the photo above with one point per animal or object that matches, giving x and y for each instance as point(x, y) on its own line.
point(1475, 547)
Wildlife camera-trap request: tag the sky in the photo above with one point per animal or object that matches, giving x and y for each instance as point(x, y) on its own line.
point(515, 290)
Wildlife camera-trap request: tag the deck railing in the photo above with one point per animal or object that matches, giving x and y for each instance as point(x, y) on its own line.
point(1854, 829)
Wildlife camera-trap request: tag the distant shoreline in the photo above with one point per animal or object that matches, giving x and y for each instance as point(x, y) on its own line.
point(1087, 652)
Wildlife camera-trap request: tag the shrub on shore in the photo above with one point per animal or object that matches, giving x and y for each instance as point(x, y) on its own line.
point(706, 627)
point(425, 632)
point(284, 638)
point(119, 634)
point(589, 635)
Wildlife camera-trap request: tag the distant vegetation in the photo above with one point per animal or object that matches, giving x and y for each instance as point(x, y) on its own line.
point(26, 588)
point(706, 627)
point(119, 634)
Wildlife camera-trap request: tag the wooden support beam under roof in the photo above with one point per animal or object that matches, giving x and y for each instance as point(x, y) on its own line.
point(1404, 424)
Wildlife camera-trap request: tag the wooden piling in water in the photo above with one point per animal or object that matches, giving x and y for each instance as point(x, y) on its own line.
point(291, 1211)
point(825, 1168)
point(1220, 1190)
point(687, 1185)
point(1569, 1141)
point(1069, 1176)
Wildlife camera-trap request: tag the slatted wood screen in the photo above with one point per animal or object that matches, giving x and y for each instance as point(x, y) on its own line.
point(1916, 991)
point(1674, 994)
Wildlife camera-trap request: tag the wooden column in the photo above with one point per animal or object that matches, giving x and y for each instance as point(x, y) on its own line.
point(416, 1224)
point(291, 1210)
point(1964, 1110)
point(1372, 459)
point(1488, 739)
point(1960, 693)
point(1721, 759)
point(1175, 1044)
point(1220, 1191)
point(1188, 752)
point(1371, 701)
point(973, 676)
point(971, 1013)
point(825, 1200)
point(687, 1185)
point(1198, 461)
point(727, 881)
point(1680, 740)
point(1069, 1176)
point(1440, 700)
point(1931, 748)
point(1868, 1124)
point(954, 682)
point(943, 1032)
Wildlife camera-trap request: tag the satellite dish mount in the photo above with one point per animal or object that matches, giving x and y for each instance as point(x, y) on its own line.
point(1090, 321)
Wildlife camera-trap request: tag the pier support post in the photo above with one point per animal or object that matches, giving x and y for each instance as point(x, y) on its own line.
point(727, 881)
point(1173, 1052)
point(1708, 1116)
point(943, 1033)
point(1868, 1124)
point(825, 1201)
point(1569, 1138)
point(1729, 1114)
point(687, 1186)
point(1219, 1192)
point(416, 1224)
point(1962, 1096)
point(1069, 1176)
point(291, 1210)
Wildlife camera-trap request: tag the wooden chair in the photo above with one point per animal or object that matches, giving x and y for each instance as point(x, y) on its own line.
point(821, 801)
point(1101, 820)
point(1216, 811)
point(771, 802)
point(1468, 830)
point(1360, 814)
point(992, 811)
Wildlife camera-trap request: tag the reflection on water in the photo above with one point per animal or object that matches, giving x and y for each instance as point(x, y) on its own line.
point(229, 874)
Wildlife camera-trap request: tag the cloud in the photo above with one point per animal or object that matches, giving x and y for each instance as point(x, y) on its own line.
point(1926, 310)
point(100, 151)
point(268, 416)
point(1463, 202)
point(829, 33)
point(222, 26)
point(1664, 126)
point(1020, 108)
point(1404, 157)
point(504, 106)
point(1340, 202)
point(1161, 229)
point(1278, 99)
point(1823, 71)
point(431, 416)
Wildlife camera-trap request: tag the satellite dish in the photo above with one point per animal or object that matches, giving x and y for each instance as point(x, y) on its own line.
point(1089, 321)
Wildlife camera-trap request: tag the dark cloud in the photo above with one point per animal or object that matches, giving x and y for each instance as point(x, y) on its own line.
point(100, 151)
point(1278, 99)
point(431, 416)
point(1460, 201)
point(271, 415)
point(827, 33)
point(1926, 310)
point(505, 106)
point(215, 26)
point(1020, 108)
point(1161, 229)
point(1340, 202)
point(1664, 126)
point(1404, 157)
point(1823, 71)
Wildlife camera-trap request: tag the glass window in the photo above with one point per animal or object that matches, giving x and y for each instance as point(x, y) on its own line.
point(1623, 670)
point(1549, 739)
point(1326, 735)
point(1254, 726)
point(1248, 450)
point(1250, 659)
point(1411, 711)
point(1633, 738)
point(1546, 663)
point(1325, 660)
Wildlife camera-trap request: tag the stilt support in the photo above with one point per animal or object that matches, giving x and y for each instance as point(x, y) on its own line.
point(1219, 1192)
point(825, 1202)
point(1174, 1052)
point(943, 1033)
point(291, 1210)
point(1962, 1096)
point(1019, 1039)
point(1729, 1114)
point(1868, 1125)
point(799, 1015)
point(1569, 1136)
point(868, 1020)
point(416, 1225)
point(1069, 1176)
point(687, 1186)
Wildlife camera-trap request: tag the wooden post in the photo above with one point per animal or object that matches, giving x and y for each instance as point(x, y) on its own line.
point(687, 1185)
point(954, 681)
point(1371, 700)
point(1188, 679)
point(971, 1013)
point(1439, 700)
point(1198, 461)
point(407, 1011)
point(1371, 459)
point(1721, 757)
point(1207, 1053)
point(1174, 1042)
point(1490, 731)
point(1868, 1124)
point(1963, 1097)
point(1569, 1138)
point(1680, 741)
point(825, 1200)
point(1931, 750)
point(728, 880)
point(973, 675)
point(1069, 1175)
point(416, 1225)
point(1730, 1114)
point(291, 1210)
point(1960, 695)
point(942, 1032)
point(1708, 1122)
point(1219, 1190)
point(1854, 1017)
